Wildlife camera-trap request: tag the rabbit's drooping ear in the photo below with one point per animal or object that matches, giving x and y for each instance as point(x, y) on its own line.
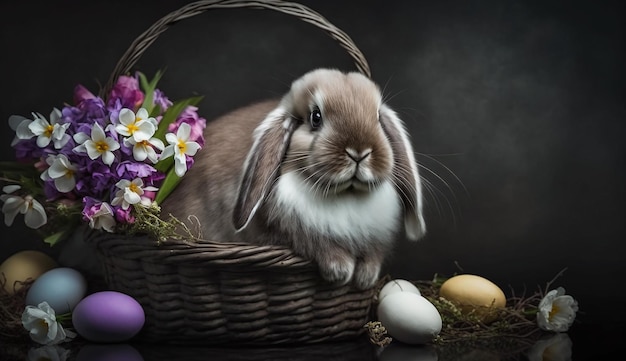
point(406, 177)
point(271, 140)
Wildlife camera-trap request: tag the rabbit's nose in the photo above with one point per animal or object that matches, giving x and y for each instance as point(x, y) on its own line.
point(357, 156)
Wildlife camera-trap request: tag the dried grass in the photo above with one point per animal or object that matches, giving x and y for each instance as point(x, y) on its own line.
point(513, 330)
point(11, 309)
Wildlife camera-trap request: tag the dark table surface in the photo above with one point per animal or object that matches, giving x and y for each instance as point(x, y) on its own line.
point(582, 342)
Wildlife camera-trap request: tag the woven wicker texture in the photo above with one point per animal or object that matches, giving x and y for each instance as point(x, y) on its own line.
point(212, 293)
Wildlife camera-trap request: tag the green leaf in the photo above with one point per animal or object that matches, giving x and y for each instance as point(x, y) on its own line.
point(172, 114)
point(148, 89)
point(169, 184)
point(164, 164)
point(54, 238)
point(156, 111)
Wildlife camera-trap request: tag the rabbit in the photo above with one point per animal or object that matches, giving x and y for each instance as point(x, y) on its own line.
point(328, 170)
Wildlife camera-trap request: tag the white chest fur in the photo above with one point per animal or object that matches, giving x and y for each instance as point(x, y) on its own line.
point(355, 218)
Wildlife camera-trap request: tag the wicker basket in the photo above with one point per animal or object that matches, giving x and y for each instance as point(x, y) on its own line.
point(212, 293)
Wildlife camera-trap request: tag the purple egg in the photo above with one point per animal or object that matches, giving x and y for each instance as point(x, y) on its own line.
point(108, 317)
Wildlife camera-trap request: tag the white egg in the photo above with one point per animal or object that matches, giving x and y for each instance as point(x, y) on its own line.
point(398, 285)
point(409, 318)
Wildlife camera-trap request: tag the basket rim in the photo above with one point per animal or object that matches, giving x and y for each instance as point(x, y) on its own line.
point(202, 252)
point(304, 13)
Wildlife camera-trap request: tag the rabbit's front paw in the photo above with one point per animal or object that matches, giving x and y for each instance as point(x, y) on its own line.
point(366, 273)
point(337, 268)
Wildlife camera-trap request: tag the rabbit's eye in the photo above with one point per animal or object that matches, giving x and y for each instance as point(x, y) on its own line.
point(315, 119)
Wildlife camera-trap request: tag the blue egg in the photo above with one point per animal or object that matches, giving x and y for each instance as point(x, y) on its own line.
point(61, 287)
point(108, 317)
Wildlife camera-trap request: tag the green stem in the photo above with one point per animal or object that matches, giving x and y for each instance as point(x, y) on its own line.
point(65, 319)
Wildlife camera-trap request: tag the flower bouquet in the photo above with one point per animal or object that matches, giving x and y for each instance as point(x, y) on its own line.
point(101, 162)
point(106, 162)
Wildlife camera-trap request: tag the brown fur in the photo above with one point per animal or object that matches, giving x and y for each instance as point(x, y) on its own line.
point(233, 187)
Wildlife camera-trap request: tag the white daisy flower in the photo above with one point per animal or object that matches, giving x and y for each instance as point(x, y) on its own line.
point(42, 325)
point(180, 146)
point(145, 149)
point(103, 218)
point(557, 311)
point(138, 126)
point(49, 131)
point(34, 213)
point(20, 125)
point(131, 192)
point(98, 145)
point(62, 171)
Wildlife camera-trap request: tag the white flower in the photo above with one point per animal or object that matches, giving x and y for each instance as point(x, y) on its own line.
point(34, 213)
point(97, 145)
point(145, 149)
point(556, 348)
point(48, 352)
point(180, 147)
point(103, 218)
point(557, 311)
point(131, 193)
point(20, 125)
point(49, 131)
point(138, 126)
point(62, 171)
point(42, 325)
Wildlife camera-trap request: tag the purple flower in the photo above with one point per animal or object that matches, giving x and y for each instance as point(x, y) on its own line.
point(197, 123)
point(50, 190)
point(132, 170)
point(98, 214)
point(83, 116)
point(155, 179)
point(27, 149)
point(81, 93)
point(151, 195)
point(91, 207)
point(161, 100)
point(99, 181)
point(127, 92)
point(124, 215)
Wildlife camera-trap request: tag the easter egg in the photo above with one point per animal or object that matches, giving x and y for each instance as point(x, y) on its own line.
point(409, 318)
point(61, 287)
point(398, 285)
point(104, 352)
point(23, 266)
point(108, 316)
point(474, 294)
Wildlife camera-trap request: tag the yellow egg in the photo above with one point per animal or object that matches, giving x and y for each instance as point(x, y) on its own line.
point(22, 266)
point(475, 294)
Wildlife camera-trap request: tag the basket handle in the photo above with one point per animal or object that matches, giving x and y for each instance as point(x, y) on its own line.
point(141, 43)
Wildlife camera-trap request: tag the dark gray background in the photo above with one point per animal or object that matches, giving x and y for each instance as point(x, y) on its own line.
point(516, 109)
